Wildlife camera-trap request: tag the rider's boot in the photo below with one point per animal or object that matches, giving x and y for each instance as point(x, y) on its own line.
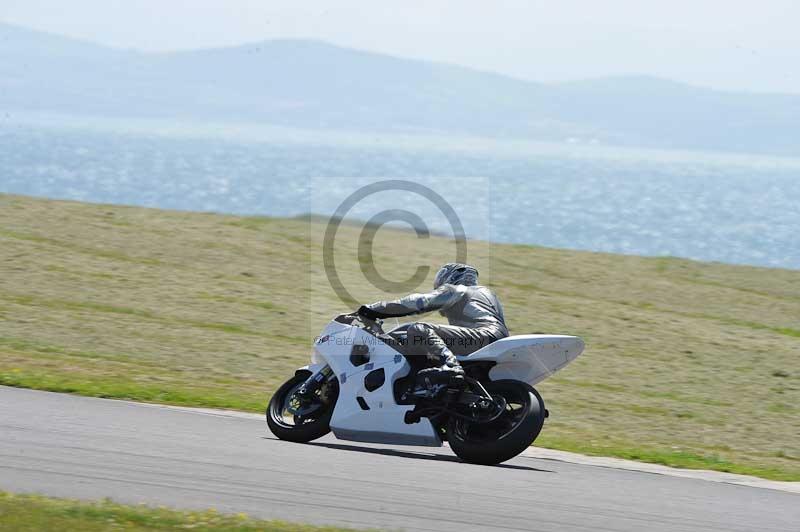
point(444, 373)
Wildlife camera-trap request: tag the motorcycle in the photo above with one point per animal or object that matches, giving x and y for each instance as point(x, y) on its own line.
point(360, 386)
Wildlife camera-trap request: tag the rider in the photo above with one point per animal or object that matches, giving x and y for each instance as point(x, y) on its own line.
point(473, 311)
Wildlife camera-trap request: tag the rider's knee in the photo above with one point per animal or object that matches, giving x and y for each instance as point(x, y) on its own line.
point(419, 335)
point(419, 328)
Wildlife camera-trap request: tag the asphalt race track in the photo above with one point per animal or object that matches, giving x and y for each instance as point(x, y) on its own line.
point(64, 445)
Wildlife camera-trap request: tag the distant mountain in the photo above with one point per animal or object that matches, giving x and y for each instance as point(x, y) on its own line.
point(312, 84)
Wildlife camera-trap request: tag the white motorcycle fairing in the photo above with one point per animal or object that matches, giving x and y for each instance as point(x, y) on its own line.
point(529, 358)
point(366, 409)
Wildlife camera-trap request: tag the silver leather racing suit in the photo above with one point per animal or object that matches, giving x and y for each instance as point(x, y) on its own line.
point(474, 314)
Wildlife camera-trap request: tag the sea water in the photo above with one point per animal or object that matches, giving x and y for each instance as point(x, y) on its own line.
point(728, 208)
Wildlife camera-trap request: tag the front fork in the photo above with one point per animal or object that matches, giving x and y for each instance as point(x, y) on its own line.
point(313, 383)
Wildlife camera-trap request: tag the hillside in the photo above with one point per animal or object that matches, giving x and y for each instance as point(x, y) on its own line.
point(688, 363)
point(310, 84)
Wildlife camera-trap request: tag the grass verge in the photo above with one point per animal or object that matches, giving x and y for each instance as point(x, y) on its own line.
point(34, 513)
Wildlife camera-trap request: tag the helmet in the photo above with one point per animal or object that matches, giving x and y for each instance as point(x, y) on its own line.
point(455, 273)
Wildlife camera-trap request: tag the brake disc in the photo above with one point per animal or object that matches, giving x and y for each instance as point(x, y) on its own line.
point(298, 406)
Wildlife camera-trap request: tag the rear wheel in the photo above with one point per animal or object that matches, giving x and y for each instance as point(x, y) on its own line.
point(508, 435)
point(296, 419)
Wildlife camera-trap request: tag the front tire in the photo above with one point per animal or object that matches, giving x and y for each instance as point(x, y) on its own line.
point(506, 437)
point(313, 422)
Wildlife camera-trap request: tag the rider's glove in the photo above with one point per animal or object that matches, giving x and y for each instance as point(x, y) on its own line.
point(368, 313)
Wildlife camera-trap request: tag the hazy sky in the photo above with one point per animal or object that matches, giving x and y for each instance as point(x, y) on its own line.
point(729, 44)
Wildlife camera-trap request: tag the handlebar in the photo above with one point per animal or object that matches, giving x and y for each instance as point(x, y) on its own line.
point(373, 326)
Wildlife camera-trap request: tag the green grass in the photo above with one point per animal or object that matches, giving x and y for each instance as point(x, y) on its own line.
point(688, 364)
point(34, 513)
point(669, 457)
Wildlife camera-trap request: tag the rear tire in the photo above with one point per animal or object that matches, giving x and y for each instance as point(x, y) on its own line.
point(506, 437)
point(304, 428)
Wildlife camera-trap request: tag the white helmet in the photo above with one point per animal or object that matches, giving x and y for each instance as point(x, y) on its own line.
point(455, 273)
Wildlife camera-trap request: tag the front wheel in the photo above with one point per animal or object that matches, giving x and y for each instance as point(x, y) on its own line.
point(508, 435)
point(292, 419)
